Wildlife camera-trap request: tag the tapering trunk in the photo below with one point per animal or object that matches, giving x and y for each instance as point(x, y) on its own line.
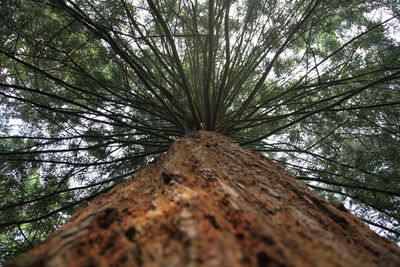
point(210, 202)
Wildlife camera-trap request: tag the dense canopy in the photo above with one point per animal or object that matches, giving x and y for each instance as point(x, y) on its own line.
point(92, 90)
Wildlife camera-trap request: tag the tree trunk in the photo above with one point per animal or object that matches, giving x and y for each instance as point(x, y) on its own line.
point(210, 202)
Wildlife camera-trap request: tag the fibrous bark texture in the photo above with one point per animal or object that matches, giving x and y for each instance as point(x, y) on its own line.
point(210, 202)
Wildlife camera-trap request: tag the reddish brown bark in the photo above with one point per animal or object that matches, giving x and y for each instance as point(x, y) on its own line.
point(210, 202)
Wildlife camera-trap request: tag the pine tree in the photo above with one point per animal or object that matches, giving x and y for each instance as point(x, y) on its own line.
point(93, 91)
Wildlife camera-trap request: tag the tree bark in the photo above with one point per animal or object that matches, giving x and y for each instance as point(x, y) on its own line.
point(210, 202)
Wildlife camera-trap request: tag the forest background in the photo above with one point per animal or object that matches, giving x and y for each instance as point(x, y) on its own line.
point(91, 91)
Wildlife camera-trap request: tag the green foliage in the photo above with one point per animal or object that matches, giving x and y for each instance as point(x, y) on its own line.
point(97, 89)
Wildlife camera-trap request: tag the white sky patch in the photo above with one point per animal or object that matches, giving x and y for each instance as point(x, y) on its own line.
point(392, 27)
point(14, 126)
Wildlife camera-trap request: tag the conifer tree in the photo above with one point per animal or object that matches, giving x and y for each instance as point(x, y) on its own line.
point(93, 90)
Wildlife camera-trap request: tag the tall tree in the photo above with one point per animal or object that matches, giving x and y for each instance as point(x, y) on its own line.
point(93, 90)
point(210, 202)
